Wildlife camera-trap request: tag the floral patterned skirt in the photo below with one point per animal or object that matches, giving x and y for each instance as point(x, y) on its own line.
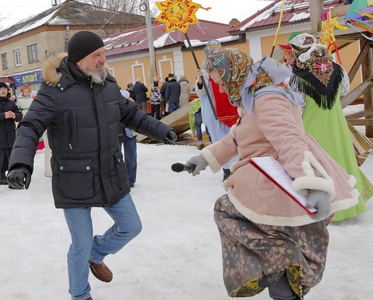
point(256, 255)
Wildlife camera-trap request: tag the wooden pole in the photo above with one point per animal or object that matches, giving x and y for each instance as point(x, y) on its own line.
point(278, 28)
point(203, 79)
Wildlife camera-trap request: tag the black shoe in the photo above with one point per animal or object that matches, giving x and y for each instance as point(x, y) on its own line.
point(3, 180)
point(201, 146)
point(132, 185)
point(13, 188)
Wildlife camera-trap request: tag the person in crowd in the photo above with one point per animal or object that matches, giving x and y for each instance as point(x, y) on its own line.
point(226, 114)
point(25, 99)
point(9, 115)
point(140, 91)
point(155, 100)
point(163, 91)
point(195, 121)
point(12, 96)
point(321, 81)
point(184, 90)
point(81, 106)
point(127, 142)
point(131, 94)
point(268, 240)
point(173, 93)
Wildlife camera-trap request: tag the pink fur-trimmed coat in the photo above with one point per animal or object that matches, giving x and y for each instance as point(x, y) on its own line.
point(275, 128)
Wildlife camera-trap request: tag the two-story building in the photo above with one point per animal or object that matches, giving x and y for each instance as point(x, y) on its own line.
point(24, 45)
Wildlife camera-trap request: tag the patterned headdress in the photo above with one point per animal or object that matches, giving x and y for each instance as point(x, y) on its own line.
point(233, 66)
point(211, 47)
point(318, 76)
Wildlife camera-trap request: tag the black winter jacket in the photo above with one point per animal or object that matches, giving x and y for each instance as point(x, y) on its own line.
point(173, 91)
point(82, 121)
point(8, 126)
point(140, 91)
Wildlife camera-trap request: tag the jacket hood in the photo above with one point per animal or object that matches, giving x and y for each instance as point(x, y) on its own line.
point(49, 68)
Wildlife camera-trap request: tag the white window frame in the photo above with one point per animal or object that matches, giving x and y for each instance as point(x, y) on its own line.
point(32, 53)
point(17, 57)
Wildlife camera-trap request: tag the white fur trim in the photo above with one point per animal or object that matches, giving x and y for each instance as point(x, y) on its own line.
point(346, 203)
point(312, 182)
point(211, 160)
point(240, 109)
point(352, 180)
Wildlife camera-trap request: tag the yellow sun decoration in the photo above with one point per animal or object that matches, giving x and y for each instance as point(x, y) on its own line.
point(177, 14)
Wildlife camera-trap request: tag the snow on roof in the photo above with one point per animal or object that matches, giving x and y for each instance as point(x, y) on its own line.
point(29, 26)
point(269, 17)
point(197, 43)
point(137, 39)
point(72, 13)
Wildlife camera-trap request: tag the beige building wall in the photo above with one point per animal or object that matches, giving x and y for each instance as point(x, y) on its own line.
point(127, 68)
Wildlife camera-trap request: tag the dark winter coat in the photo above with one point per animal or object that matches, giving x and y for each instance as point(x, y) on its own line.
point(132, 94)
point(8, 126)
point(140, 91)
point(173, 91)
point(163, 90)
point(82, 121)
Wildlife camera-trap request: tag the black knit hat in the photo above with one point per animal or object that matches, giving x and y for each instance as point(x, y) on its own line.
point(82, 44)
point(3, 84)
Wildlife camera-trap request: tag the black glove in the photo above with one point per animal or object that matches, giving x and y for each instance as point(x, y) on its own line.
point(170, 138)
point(19, 177)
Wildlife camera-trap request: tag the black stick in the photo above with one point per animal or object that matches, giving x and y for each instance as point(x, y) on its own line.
point(203, 79)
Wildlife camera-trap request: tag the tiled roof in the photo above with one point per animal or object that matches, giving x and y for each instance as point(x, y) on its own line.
point(137, 40)
point(72, 13)
point(295, 12)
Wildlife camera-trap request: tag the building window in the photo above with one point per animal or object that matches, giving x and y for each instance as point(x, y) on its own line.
point(17, 57)
point(4, 61)
point(32, 53)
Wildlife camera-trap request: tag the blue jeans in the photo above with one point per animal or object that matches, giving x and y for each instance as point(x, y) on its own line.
point(85, 246)
point(174, 106)
point(130, 158)
point(198, 124)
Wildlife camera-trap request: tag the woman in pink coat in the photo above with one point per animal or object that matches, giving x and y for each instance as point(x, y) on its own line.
point(268, 240)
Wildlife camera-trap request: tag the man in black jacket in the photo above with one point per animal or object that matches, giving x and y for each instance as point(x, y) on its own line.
point(9, 115)
point(173, 93)
point(81, 106)
point(140, 91)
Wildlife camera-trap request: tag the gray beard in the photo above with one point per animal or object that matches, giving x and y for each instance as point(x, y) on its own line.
point(96, 77)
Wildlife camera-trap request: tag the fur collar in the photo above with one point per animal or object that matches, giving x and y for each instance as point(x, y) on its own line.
point(54, 65)
point(49, 68)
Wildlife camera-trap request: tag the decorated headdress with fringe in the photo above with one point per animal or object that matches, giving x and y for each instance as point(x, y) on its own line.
point(317, 75)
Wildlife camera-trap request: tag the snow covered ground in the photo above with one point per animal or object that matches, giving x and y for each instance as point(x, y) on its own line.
point(176, 257)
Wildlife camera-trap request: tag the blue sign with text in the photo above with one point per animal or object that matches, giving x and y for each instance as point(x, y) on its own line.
point(29, 78)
